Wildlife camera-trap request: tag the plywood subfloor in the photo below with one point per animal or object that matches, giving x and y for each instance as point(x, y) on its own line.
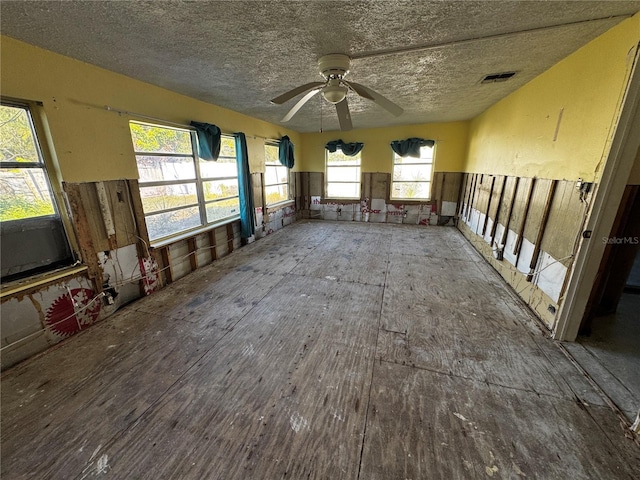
point(611, 354)
point(324, 351)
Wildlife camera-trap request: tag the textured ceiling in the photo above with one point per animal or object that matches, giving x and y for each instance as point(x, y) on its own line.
point(240, 54)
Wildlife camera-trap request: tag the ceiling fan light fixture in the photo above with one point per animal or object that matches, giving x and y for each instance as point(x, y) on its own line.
point(334, 93)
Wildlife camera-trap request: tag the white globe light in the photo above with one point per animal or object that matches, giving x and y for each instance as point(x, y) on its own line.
point(334, 93)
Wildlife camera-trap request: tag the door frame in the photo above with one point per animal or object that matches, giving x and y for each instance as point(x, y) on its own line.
point(604, 207)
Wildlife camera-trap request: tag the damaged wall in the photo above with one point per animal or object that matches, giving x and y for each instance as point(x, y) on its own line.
point(375, 205)
point(116, 269)
point(91, 153)
point(527, 229)
point(560, 124)
point(271, 218)
point(532, 159)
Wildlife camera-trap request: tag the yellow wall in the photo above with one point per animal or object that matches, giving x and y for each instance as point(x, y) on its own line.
point(516, 135)
point(377, 156)
point(90, 143)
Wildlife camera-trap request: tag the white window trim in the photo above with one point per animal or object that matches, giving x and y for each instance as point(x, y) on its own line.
point(199, 180)
point(393, 166)
point(289, 198)
point(326, 174)
point(45, 164)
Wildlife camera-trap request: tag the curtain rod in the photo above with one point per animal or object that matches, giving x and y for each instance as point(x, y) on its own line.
point(167, 122)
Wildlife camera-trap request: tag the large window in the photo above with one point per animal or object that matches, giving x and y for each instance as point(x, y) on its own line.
point(276, 177)
point(33, 236)
point(343, 175)
point(412, 176)
point(180, 191)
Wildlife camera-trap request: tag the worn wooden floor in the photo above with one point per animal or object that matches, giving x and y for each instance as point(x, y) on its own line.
point(611, 354)
point(324, 351)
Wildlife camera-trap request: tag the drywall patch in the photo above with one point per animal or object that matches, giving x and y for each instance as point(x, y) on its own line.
point(378, 211)
point(550, 276)
point(509, 246)
point(526, 254)
point(395, 213)
point(316, 203)
point(487, 232)
point(121, 272)
point(448, 209)
point(474, 220)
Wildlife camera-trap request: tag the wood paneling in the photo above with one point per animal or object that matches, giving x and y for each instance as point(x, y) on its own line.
point(496, 205)
point(537, 208)
point(446, 188)
point(120, 207)
point(83, 225)
point(483, 192)
point(566, 217)
point(518, 213)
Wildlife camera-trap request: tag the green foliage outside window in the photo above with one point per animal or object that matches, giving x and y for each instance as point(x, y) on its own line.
point(24, 192)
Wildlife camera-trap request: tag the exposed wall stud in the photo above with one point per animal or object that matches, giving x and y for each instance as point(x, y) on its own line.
point(527, 205)
point(543, 225)
point(494, 227)
point(512, 202)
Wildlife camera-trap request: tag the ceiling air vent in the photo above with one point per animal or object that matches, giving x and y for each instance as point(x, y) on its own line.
point(498, 77)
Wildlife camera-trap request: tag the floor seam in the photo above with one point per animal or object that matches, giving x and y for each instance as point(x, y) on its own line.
point(373, 367)
point(227, 331)
point(485, 382)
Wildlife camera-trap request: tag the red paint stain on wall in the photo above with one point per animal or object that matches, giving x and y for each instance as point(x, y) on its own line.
point(64, 318)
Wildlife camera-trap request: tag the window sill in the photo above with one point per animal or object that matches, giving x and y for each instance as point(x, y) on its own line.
point(340, 200)
point(410, 201)
point(279, 205)
point(192, 233)
point(23, 284)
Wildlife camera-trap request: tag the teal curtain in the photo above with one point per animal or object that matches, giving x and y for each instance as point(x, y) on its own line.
point(247, 211)
point(349, 149)
point(209, 137)
point(411, 146)
point(285, 152)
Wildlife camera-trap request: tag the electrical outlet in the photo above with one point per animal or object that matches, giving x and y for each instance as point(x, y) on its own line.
point(585, 187)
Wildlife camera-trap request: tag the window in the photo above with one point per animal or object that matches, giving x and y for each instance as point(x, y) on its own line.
point(32, 233)
point(412, 176)
point(276, 177)
point(343, 175)
point(180, 191)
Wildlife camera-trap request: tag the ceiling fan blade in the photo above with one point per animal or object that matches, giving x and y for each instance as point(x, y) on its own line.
point(384, 102)
point(356, 87)
point(344, 117)
point(300, 103)
point(295, 92)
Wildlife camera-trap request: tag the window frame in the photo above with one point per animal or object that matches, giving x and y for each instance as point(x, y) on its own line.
point(276, 164)
point(327, 182)
point(199, 179)
point(57, 223)
point(429, 181)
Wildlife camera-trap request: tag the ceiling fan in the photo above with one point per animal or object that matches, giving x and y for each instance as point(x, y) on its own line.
point(334, 67)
